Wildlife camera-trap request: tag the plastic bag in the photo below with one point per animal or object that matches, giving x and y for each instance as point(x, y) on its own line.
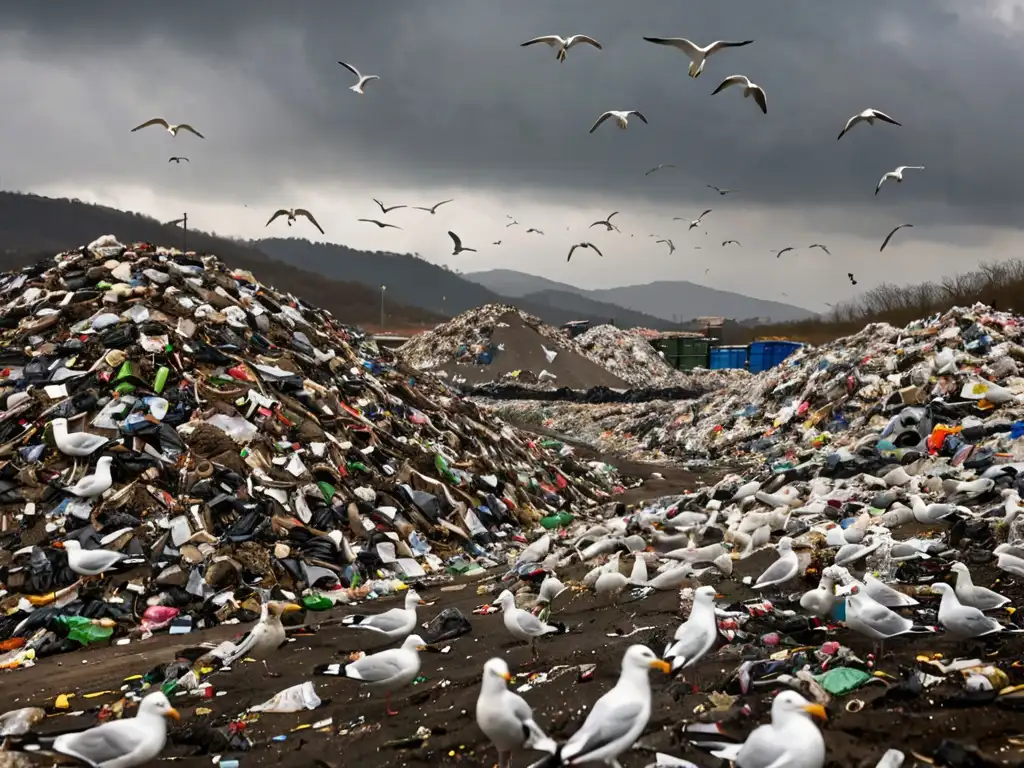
point(294, 699)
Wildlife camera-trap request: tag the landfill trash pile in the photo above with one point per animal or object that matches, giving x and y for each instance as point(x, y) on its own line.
point(178, 438)
point(629, 356)
point(497, 343)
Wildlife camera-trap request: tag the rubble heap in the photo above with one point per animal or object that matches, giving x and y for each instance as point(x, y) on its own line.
point(950, 382)
point(199, 434)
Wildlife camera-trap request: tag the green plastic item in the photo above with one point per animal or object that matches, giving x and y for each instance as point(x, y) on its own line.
point(357, 465)
point(842, 680)
point(82, 630)
point(124, 388)
point(555, 521)
point(125, 370)
point(316, 603)
point(161, 378)
point(442, 466)
point(327, 490)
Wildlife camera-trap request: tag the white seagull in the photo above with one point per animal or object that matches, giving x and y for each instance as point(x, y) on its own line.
point(125, 743)
point(720, 191)
point(505, 718)
point(521, 624)
point(967, 593)
point(458, 244)
point(363, 79)
point(867, 116)
point(695, 636)
point(897, 174)
point(783, 569)
point(607, 223)
point(291, 213)
point(177, 159)
point(963, 621)
point(95, 484)
point(591, 246)
point(669, 243)
point(563, 44)
point(380, 224)
point(695, 223)
point(77, 444)
point(749, 89)
point(89, 562)
point(386, 670)
point(791, 739)
point(621, 117)
point(697, 54)
point(259, 643)
point(393, 624)
point(171, 129)
point(432, 209)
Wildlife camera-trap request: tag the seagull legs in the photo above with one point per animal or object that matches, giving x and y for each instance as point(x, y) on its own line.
point(387, 706)
point(504, 760)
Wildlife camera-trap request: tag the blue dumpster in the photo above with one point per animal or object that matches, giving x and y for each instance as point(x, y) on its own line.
point(728, 357)
point(767, 354)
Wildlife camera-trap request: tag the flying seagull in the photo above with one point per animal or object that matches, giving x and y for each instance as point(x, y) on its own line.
point(512, 222)
point(432, 209)
point(749, 89)
point(697, 54)
point(889, 236)
point(778, 254)
point(720, 191)
point(171, 129)
point(292, 213)
point(696, 222)
point(562, 44)
point(380, 224)
point(670, 244)
point(583, 245)
point(819, 245)
point(658, 168)
point(178, 160)
point(496, 242)
point(707, 270)
point(363, 79)
point(897, 174)
point(621, 117)
point(869, 116)
point(853, 280)
point(386, 210)
point(534, 229)
point(726, 242)
point(458, 244)
point(607, 223)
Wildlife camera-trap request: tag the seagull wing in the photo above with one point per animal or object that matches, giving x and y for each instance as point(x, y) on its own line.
point(761, 98)
point(371, 221)
point(703, 215)
point(720, 44)
point(591, 245)
point(609, 721)
point(638, 114)
point(732, 80)
point(553, 40)
point(582, 39)
point(609, 219)
point(434, 208)
point(455, 239)
point(379, 203)
point(600, 120)
point(571, 251)
point(377, 667)
point(826, 250)
point(881, 181)
point(849, 124)
point(889, 236)
point(681, 43)
point(308, 215)
point(531, 625)
point(190, 129)
point(281, 212)
point(108, 743)
point(351, 69)
point(154, 121)
point(884, 117)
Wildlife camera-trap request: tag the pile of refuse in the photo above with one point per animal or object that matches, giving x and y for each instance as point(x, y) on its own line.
point(498, 343)
point(629, 356)
point(950, 382)
point(189, 435)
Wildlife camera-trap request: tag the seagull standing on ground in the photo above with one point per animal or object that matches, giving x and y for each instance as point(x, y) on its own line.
point(607, 222)
point(178, 160)
point(458, 245)
point(697, 54)
point(77, 444)
point(583, 245)
point(95, 484)
point(505, 718)
point(380, 224)
point(362, 79)
point(778, 254)
point(432, 209)
point(791, 739)
point(89, 562)
point(523, 625)
point(696, 222)
point(292, 213)
point(889, 236)
point(171, 129)
point(749, 89)
point(897, 174)
point(669, 243)
point(562, 44)
point(867, 116)
point(819, 245)
point(658, 168)
point(386, 670)
point(620, 116)
point(394, 624)
point(387, 210)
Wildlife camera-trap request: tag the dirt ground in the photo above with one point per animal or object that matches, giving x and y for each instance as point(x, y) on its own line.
point(361, 735)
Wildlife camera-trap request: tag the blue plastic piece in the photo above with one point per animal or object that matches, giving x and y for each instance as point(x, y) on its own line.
point(765, 355)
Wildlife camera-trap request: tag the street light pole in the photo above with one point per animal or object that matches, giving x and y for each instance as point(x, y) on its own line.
point(382, 289)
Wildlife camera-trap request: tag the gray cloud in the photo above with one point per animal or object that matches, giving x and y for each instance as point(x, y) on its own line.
point(461, 104)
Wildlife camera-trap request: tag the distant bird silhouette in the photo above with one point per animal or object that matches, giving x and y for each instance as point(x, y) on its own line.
point(852, 279)
point(669, 243)
point(867, 116)
point(726, 242)
point(658, 168)
point(362, 79)
point(387, 210)
point(178, 160)
point(583, 245)
point(607, 222)
point(432, 209)
point(496, 242)
point(534, 229)
point(171, 129)
point(458, 245)
point(778, 254)
point(897, 174)
point(621, 117)
point(380, 224)
point(562, 44)
point(819, 245)
point(749, 89)
point(292, 213)
point(511, 223)
point(707, 270)
point(889, 236)
point(721, 191)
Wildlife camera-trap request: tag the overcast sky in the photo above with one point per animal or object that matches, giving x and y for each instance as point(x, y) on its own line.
point(462, 111)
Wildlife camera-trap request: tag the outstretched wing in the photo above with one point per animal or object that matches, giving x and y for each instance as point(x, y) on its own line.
point(190, 129)
point(308, 215)
point(640, 115)
point(731, 80)
point(720, 44)
point(281, 212)
point(456, 240)
point(154, 121)
point(553, 40)
point(351, 69)
point(681, 43)
point(600, 120)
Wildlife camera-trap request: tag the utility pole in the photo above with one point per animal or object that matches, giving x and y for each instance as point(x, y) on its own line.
point(382, 289)
point(184, 233)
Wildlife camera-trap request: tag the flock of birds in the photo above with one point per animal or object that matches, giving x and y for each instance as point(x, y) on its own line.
point(698, 56)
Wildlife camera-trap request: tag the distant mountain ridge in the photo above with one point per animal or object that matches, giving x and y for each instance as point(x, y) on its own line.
point(675, 300)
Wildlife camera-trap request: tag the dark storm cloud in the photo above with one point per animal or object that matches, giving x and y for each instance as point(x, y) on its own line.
point(460, 103)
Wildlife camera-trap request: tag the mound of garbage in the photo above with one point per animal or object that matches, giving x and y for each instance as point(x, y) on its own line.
point(497, 343)
point(629, 356)
point(951, 382)
point(176, 435)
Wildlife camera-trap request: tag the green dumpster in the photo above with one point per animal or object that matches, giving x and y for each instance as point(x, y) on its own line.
point(684, 353)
